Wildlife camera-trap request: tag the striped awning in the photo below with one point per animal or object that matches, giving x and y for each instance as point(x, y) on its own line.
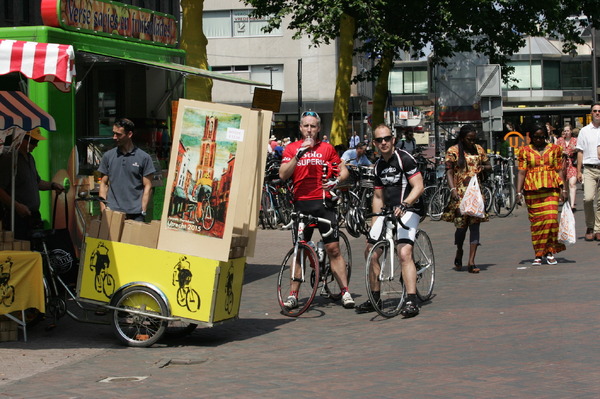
point(42, 62)
point(17, 110)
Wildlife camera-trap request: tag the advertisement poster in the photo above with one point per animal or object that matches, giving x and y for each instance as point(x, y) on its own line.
point(200, 200)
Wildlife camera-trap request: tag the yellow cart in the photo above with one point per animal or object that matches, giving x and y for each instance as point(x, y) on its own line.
point(150, 292)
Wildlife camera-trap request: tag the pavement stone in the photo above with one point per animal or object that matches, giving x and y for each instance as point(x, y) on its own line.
point(512, 330)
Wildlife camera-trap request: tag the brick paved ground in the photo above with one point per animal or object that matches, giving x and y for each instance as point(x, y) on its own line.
point(511, 331)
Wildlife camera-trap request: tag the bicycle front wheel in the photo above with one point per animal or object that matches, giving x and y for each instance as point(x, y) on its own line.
point(134, 323)
point(425, 265)
point(488, 198)
point(208, 218)
point(296, 274)
point(426, 198)
point(331, 286)
point(438, 203)
point(504, 200)
point(384, 274)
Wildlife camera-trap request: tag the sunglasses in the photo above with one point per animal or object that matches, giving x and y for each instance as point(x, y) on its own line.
point(310, 113)
point(595, 110)
point(380, 140)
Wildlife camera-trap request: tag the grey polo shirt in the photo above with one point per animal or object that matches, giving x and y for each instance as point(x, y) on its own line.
point(125, 183)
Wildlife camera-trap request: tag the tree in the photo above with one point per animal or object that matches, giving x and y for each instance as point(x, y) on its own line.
point(384, 28)
point(194, 42)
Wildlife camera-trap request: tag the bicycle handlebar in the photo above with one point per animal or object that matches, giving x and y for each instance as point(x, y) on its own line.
point(297, 216)
point(387, 211)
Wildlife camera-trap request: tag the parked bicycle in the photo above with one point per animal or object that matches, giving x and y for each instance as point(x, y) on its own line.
point(500, 183)
point(308, 264)
point(386, 271)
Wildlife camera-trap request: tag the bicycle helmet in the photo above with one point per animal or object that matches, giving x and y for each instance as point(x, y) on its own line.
point(351, 226)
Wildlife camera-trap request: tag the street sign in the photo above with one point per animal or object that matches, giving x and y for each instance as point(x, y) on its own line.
point(488, 81)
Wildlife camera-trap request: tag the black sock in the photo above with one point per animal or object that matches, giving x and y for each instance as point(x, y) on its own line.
point(376, 295)
point(411, 297)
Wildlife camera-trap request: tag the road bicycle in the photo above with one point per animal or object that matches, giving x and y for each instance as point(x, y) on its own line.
point(308, 264)
point(384, 266)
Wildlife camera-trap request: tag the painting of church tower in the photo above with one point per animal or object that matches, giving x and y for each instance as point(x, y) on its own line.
point(208, 150)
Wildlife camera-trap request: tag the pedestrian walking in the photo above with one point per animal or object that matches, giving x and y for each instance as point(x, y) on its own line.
point(464, 161)
point(540, 183)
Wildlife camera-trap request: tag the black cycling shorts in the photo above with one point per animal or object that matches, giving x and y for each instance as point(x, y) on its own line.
point(316, 208)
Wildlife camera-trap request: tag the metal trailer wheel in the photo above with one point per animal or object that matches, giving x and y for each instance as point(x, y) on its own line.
point(133, 323)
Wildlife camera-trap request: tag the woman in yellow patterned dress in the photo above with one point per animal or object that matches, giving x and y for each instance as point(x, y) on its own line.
point(464, 161)
point(540, 182)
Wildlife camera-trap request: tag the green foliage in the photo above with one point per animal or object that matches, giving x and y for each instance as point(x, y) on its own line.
point(496, 29)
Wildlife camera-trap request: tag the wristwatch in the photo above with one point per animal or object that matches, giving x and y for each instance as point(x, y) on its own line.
point(143, 213)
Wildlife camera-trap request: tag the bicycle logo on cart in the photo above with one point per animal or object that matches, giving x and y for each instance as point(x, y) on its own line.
point(186, 296)
point(229, 290)
point(100, 261)
point(7, 291)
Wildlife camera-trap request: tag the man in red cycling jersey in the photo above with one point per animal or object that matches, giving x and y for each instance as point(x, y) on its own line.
point(303, 161)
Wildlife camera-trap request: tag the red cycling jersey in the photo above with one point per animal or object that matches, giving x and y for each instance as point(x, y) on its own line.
point(307, 177)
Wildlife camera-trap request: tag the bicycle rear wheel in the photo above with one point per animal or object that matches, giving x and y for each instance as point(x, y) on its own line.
point(426, 198)
point(488, 198)
point(425, 264)
point(305, 269)
point(504, 200)
point(330, 284)
point(438, 203)
point(389, 283)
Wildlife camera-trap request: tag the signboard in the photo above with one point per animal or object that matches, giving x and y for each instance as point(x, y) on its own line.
point(489, 80)
point(113, 19)
point(269, 100)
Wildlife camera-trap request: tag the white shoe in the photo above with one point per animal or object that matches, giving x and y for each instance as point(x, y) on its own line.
point(291, 302)
point(347, 300)
point(551, 260)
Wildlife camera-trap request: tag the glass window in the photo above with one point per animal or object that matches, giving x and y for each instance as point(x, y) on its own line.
point(409, 80)
point(235, 23)
point(395, 81)
point(216, 23)
point(528, 76)
point(551, 74)
point(272, 74)
point(576, 75)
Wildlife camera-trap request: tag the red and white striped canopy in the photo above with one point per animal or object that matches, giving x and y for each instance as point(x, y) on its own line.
point(42, 62)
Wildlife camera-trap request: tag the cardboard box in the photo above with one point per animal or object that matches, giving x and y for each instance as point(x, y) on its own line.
point(140, 233)
point(116, 226)
point(105, 224)
point(237, 252)
point(8, 331)
point(93, 228)
point(25, 246)
point(8, 236)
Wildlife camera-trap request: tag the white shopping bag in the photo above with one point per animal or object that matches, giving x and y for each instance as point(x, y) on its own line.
point(566, 226)
point(472, 202)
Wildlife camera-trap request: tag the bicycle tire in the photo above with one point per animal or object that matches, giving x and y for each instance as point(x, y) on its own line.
point(438, 203)
point(424, 260)
point(108, 285)
point(330, 284)
point(265, 208)
point(208, 218)
point(426, 198)
point(488, 198)
point(309, 264)
point(134, 329)
point(505, 200)
point(392, 290)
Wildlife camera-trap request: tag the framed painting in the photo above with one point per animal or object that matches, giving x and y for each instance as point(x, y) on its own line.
point(204, 179)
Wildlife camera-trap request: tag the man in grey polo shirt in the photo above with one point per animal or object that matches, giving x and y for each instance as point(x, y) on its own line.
point(126, 174)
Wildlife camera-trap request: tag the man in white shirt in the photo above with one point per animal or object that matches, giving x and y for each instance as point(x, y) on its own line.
point(588, 142)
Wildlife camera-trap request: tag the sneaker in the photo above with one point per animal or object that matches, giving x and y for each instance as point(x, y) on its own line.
point(291, 302)
point(410, 309)
point(537, 262)
point(347, 300)
point(551, 260)
point(366, 307)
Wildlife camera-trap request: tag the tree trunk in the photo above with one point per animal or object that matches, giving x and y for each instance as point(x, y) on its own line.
point(341, 101)
point(194, 43)
point(381, 88)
